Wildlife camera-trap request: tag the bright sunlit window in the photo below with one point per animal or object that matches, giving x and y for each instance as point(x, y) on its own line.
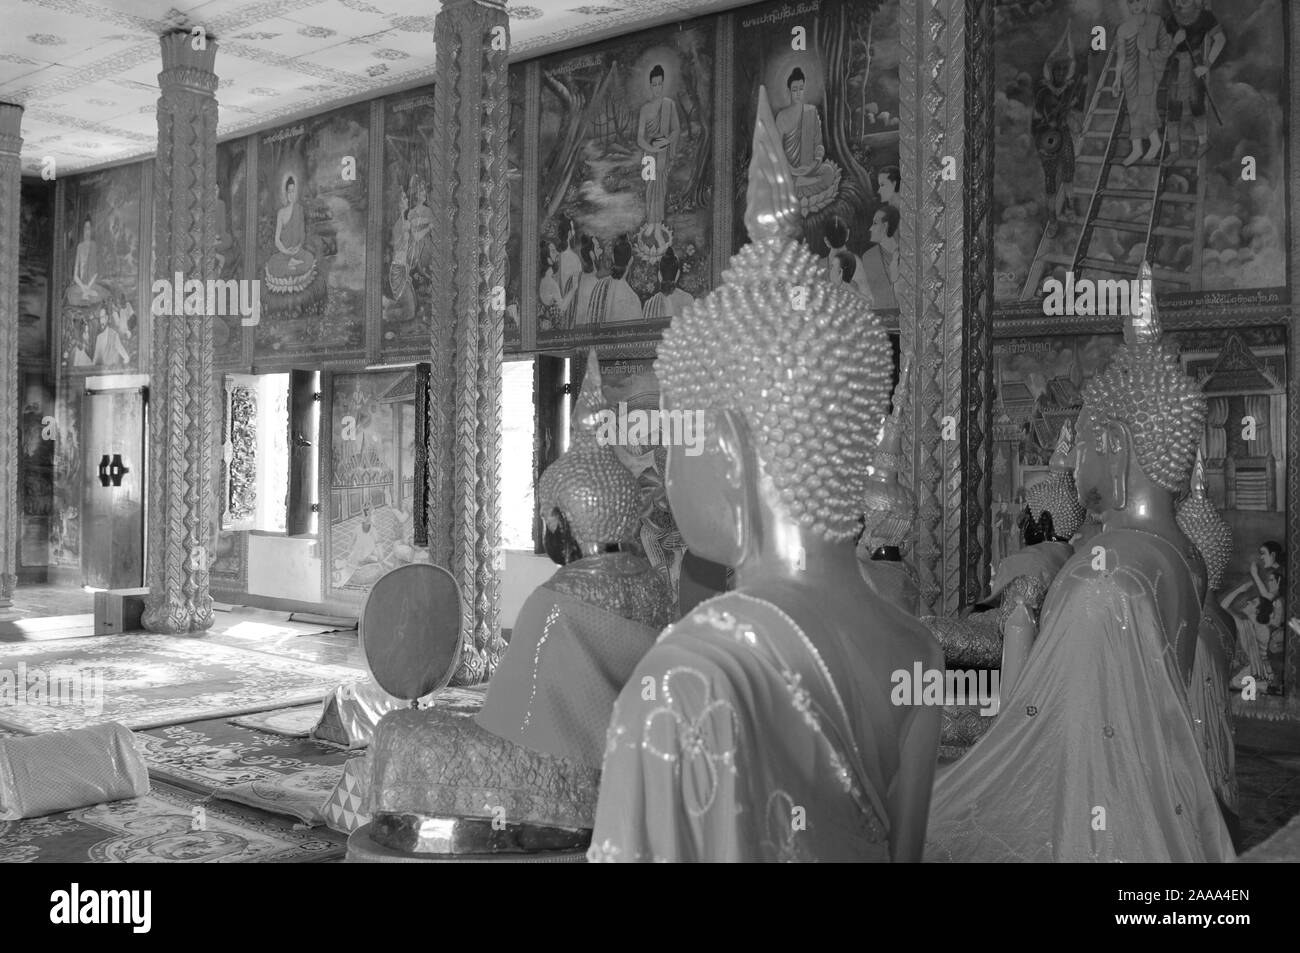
point(518, 416)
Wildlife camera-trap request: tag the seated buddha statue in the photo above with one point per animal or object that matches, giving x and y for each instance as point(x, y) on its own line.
point(760, 727)
point(1094, 754)
point(1209, 697)
point(530, 760)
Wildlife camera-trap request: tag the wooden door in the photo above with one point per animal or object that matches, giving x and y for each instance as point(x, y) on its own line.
point(113, 450)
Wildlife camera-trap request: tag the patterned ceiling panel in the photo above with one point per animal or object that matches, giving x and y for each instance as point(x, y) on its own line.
point(87, 72)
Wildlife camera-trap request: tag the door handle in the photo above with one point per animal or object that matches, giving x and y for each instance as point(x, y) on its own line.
point(111, 472)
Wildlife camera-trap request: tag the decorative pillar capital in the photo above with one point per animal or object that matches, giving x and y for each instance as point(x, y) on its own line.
point(187, 65)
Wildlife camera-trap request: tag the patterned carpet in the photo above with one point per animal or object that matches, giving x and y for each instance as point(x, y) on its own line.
point(168, 825)
point(292, 776)
point(142, 680)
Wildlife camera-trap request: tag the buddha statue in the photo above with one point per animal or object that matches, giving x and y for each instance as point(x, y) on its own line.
point(1094, 755)
point(1216, 641)
point(760, 726)
point(887, 515)
point(1054, 502)
point(522, 775)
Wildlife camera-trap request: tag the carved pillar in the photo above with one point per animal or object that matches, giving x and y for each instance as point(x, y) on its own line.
point(181, 406)
point(472, 118)
point(944, 437)
point(11, 145)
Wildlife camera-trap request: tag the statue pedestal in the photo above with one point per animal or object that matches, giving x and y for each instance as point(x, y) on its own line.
point(362, 849)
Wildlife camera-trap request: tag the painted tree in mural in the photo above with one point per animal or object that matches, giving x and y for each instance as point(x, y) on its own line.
point(841, 46)
point(562, 163)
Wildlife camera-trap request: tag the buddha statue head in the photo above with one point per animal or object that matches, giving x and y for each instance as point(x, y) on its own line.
point(1200, 521)
point(791, 376)
point(1054, 502)
point(589, 500)
point(1140, 424)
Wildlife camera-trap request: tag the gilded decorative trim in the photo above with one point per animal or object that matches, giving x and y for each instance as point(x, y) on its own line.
point(374, 332)
point(1291, 661)
point(724, 146)
point(933, 327)
point(10, 209)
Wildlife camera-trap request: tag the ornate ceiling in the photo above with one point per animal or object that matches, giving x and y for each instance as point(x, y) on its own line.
point(87, 72)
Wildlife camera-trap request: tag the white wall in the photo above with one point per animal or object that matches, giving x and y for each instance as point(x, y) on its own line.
point(524, 572)
point(284, 567)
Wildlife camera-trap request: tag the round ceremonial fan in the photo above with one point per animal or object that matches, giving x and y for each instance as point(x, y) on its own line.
point(410, 630)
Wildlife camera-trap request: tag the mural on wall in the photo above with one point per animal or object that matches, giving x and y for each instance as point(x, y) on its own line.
point(98, 293)
point(1243, 373)
point(35, 248)
point(232, 199)
point(830, 69)
point(312, 205)
point(1168, 145)
point(65, 523)
point(407, 275)
point(625, 149)
point(37, 433)
point(372, 477)
point(515, 183)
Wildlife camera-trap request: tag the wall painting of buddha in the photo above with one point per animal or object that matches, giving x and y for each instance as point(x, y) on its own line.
point(625, 153)
point(1169, 144)
point(99, 291)
point(830, 68)
point(312, 202)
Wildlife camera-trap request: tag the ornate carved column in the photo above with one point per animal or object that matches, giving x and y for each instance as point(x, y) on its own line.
point(472, 118)
point(181, 407)
point(11, 145)
point(944, 430)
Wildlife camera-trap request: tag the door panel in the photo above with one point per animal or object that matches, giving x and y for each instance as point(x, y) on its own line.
point(112, 550)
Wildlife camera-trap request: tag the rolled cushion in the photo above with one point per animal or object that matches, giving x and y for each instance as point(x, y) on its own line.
point(63, 770)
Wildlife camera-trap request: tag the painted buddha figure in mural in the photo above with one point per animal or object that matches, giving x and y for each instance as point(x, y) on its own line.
point(1094, 754)
point(816, 179)
point(292, 267)
point(534, 750)
point(775, 696)
point(86, 289)
point(657, 130)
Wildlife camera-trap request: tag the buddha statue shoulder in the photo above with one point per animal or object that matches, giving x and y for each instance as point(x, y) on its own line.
point(775, 695)
point(532, 755)
point(1099, 714)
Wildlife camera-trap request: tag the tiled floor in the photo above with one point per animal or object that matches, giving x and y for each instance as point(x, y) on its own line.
point(43, 599)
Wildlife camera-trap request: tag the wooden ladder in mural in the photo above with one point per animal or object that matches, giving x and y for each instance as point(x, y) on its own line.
point(1106, 120)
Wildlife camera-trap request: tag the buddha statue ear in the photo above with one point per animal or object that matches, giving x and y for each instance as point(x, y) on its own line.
point(711, 489)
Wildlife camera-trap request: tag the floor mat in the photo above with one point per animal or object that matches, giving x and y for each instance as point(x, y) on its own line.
point(292, 776)
point(289, 722)
point(167, 825)
point(142, 680)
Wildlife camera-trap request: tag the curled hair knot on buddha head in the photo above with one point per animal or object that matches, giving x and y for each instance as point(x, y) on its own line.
point(1146, 388)
point(804, 363)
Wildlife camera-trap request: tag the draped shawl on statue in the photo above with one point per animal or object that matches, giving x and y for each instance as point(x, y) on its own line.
point(1099, 718)
point(731, 742)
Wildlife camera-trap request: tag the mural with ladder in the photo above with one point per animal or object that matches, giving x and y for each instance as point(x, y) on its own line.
point(1141, 129)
